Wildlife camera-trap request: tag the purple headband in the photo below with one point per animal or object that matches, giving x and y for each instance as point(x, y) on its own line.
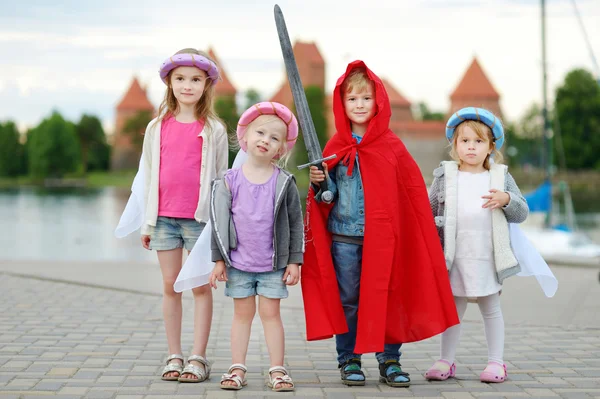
point(193, 60)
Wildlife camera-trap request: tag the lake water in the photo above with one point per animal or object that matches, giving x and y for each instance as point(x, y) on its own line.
point(78, 224)
point(66, 224)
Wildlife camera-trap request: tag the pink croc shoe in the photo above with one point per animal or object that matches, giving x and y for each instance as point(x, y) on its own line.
point(434, 373)
point(494, 372)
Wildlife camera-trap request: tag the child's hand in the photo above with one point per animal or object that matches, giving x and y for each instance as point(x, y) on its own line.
point(292, 274)
point(496, 199)
point(146, 241)
point(218, 273)
point(316, 175)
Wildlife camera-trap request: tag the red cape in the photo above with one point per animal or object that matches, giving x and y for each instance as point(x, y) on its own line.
point(405, 293)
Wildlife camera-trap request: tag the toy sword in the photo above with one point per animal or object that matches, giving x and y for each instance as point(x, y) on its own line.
point(311, 141)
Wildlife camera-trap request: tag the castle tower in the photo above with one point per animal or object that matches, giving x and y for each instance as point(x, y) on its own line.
point(400, 106)
point(475, 90)
point(224, 88)
point(135, 100)
point(311, 67)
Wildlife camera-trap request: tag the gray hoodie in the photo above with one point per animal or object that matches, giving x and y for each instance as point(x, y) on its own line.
point(288, 228)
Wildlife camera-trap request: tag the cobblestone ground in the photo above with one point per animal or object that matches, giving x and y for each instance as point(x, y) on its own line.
point(64, 340)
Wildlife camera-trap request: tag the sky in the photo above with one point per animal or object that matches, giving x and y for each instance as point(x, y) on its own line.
point(80, 56)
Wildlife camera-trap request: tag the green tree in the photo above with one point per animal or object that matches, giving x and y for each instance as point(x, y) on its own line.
point(577, 110)
point(11, 152)
point(94, 149)
point(524, 138)
point(226, 108)
point(428, 115)
point(135, 127)
point(315, 97)
point(53, 149)
point(252, 97)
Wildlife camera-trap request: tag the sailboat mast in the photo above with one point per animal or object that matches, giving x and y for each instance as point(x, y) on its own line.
point(547, 152)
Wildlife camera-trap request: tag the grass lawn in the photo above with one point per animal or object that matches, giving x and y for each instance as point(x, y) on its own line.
point(121, 178)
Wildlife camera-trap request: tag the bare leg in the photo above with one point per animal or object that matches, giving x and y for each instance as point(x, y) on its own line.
point(203, 307)
point(268, 309)
point(170, 266)
point(243, 314)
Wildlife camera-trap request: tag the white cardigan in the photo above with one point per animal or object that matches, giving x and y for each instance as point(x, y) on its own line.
point(504, 259)
point(215, 153)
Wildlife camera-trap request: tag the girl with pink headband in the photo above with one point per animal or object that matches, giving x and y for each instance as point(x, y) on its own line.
point(258, 237)
point(185, 148)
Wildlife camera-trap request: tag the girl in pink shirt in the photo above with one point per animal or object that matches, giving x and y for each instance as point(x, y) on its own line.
point(185, 148)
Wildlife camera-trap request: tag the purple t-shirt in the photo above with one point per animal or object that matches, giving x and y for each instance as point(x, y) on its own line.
point(253, 213)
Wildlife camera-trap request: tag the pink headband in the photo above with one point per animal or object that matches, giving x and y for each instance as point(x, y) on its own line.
point(269, 108)
point(193, 60)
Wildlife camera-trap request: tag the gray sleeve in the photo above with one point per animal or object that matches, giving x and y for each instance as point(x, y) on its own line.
point(296, 224)
point(434, 193)
point(218, 209)
point(517, 209)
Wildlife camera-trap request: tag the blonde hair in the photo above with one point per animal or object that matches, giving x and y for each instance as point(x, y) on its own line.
point(484, 132)
point(204, 108)
point(357, 79)
point(285, 153)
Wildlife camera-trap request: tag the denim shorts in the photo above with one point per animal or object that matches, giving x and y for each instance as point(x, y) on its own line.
point(241, 284)
point(171, 233)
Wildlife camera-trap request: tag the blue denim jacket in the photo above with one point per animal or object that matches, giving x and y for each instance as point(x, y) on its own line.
point(347, 217)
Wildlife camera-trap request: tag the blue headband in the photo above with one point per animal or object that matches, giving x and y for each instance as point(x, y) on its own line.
point(476, 114)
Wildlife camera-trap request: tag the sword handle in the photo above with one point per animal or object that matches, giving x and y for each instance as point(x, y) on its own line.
point(326, 195)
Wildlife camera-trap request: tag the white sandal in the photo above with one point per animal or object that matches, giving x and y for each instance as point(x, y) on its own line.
point(231, 376)
point(172, 366)
point(202, 374)
point(275, 383)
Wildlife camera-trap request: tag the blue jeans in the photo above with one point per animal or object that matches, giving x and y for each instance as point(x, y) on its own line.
point(242, 284)
point(170, 233)
point(347, 260)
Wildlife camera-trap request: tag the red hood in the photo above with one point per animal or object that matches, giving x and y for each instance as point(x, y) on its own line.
point(381, 120)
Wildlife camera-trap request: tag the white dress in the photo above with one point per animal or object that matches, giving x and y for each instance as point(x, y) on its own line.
point(473, 272)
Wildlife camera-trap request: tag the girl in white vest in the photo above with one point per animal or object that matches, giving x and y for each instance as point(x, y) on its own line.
point(473, 199)
point(184, 149)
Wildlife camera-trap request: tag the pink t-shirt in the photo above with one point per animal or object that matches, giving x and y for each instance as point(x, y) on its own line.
point(179, 175)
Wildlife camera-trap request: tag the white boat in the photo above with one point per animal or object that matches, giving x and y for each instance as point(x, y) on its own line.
point(563, 242)
point(564, 247)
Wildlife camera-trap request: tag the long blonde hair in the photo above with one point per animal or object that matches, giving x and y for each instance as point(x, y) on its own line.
point(204, 108)
point(483, 132)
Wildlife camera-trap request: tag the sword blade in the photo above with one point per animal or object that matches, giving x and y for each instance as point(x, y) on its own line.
point(311, 140)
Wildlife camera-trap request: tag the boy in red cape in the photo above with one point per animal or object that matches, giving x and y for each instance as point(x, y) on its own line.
point(377, 290)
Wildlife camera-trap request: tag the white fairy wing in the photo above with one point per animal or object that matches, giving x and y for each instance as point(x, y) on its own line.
point(198, 265)
point(133, 215)
point(531, 262)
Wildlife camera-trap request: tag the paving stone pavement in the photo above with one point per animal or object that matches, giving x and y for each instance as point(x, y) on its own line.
point(69, 340)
